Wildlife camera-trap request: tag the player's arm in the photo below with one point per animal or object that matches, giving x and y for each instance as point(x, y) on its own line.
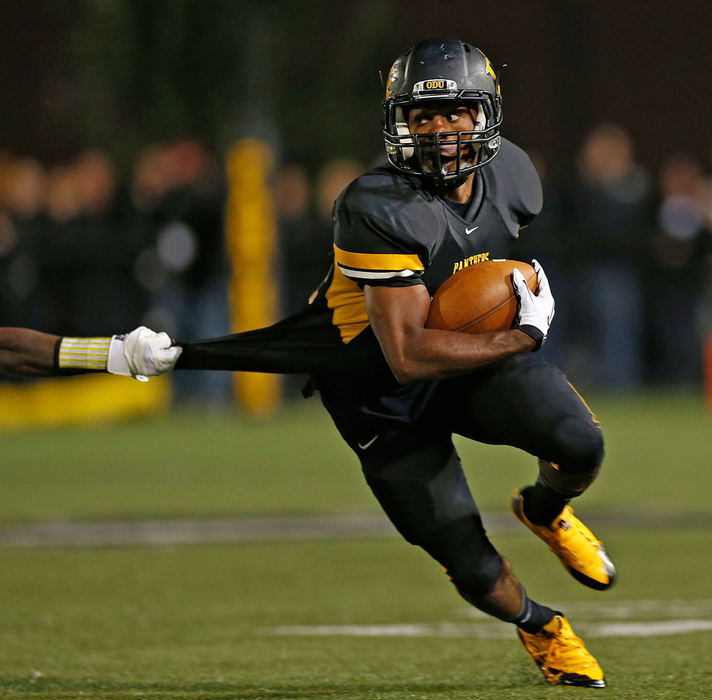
point(415, 353)
point(141, 353)
point(24, 351)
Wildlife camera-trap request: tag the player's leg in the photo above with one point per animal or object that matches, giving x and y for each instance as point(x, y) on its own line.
point(416, 475)
point(528, 403)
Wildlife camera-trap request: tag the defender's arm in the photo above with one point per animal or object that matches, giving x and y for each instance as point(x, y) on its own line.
point(141, 353)
point(24, 351)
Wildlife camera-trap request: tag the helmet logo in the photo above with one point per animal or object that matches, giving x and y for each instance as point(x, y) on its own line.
point(436, 85)
point(392, 75)
point(490, 70)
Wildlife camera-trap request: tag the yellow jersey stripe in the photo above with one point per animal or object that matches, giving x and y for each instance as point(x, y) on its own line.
point(377, 261)
point(583, 401)
point(348, 302)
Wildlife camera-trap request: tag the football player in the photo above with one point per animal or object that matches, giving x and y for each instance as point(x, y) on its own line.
point(454, 193)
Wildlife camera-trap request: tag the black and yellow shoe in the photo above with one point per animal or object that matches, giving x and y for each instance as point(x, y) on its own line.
point(561, 656)
point(576, 546)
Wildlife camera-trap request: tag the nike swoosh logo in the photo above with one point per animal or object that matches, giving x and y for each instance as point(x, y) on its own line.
point(468, 231)
point(368, 444)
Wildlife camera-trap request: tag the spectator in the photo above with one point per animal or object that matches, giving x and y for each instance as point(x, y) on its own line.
point(333, 177)
point(297, 227)
point(178, 199)
point(674, 287)
point(88, 252)
point(545, 239)
point(609, 223)
point(23, 191)
point(705, 305)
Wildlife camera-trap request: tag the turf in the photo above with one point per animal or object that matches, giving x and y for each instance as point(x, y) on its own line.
point(199, 621)
point(195, 622)
point(189, 464)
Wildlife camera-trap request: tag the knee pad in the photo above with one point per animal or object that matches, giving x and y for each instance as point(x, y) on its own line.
point(577, 445)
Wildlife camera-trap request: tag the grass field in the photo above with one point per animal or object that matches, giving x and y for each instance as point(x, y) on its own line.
point(337, 618)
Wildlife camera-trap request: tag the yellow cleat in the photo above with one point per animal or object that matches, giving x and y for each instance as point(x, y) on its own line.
point(562, 656)
point(576, 546)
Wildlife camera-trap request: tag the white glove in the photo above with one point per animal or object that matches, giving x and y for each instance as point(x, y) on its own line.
point(536, 311)
point(142, 353)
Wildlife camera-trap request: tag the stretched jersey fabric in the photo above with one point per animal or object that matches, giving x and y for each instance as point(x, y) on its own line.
point(388, 230)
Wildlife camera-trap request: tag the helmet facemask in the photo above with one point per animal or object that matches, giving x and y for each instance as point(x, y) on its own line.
point(421, 154)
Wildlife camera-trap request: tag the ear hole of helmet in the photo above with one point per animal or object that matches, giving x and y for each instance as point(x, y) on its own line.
point(401, 124)
point(481, 120)
point(480, 125)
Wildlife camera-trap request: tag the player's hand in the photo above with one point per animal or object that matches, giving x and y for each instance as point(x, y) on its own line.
point(142, 353)
point(536, 311)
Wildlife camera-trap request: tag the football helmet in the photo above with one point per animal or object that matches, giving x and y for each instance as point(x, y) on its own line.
point(442, 69)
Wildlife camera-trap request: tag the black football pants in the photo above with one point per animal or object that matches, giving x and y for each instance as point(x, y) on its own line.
point(415, 472)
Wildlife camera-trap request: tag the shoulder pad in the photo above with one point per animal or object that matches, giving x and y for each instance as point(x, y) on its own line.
point(513, 186)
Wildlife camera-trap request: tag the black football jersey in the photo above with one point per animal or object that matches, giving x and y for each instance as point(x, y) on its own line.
point(388, 230)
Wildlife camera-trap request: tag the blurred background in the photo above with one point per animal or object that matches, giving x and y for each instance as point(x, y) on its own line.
point(147, 146)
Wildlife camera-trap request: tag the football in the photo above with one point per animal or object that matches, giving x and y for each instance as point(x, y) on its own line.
point(479, 298)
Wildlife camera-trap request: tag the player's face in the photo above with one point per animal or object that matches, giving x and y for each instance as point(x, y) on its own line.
point(445, 118)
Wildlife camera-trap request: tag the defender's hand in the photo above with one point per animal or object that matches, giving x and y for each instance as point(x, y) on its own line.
point(142, 353)
point(536, 311)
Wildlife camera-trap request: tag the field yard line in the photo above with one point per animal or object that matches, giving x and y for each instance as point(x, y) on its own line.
point(622, 609)
point(173, 531)
point(491, 630)
point(662, 628)
point(192, 531)
point(691, 616)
